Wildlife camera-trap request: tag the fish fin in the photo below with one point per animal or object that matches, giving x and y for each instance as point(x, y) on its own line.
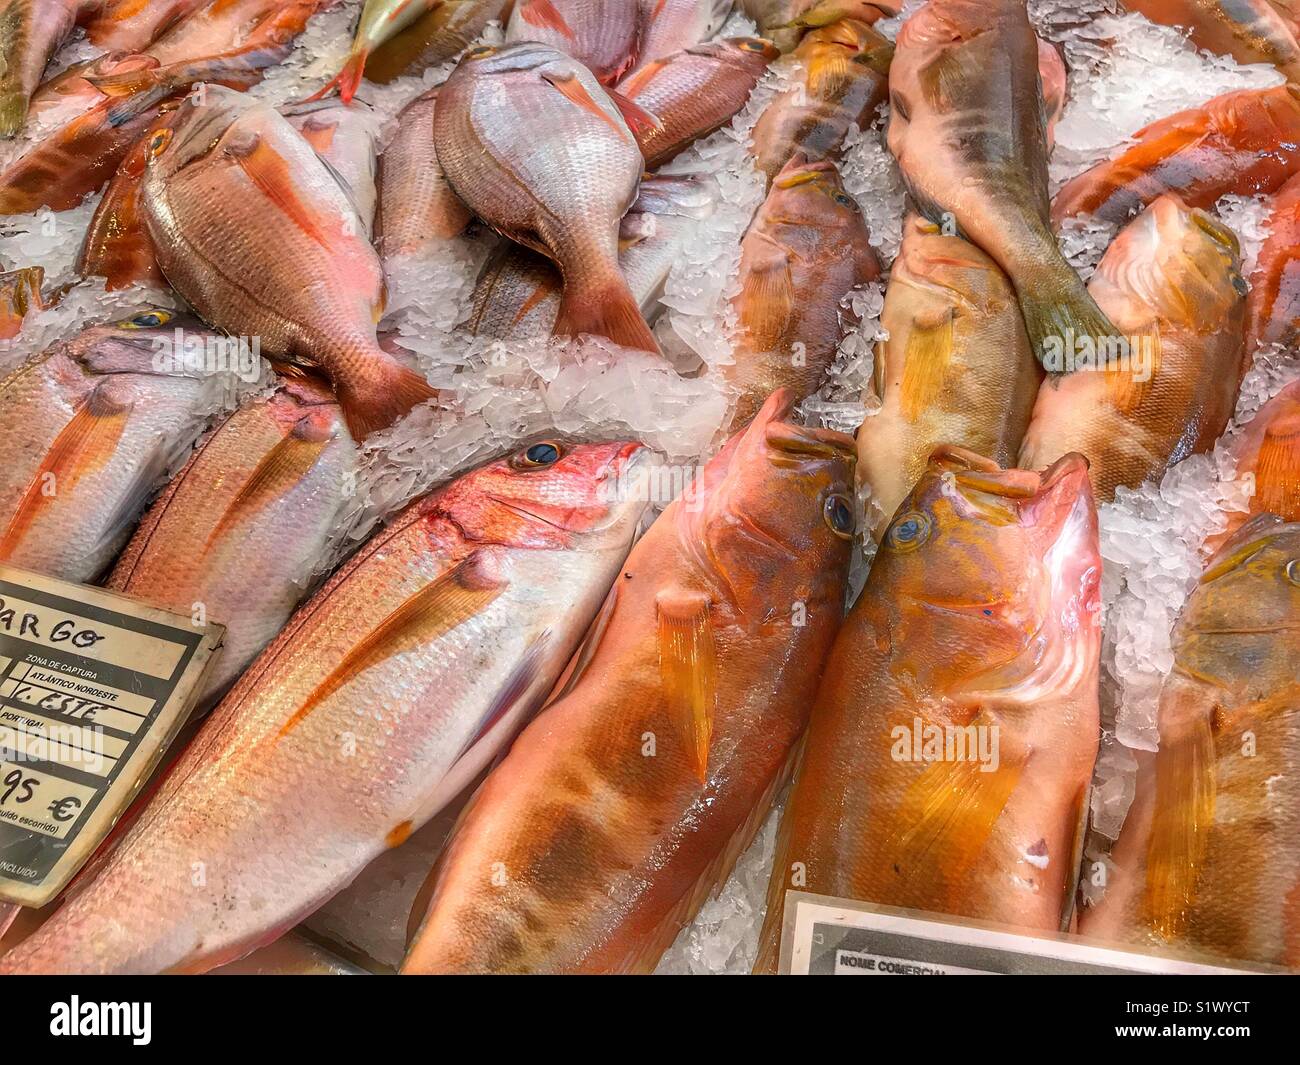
point(949, 78)
point(347, 80)
point(269, 173)
point(638, 80)
point(688, 669)
point(379, 403)
point(640, 121)
point(943, 821)
point(1277, 471)
point(1053, 316)
point(83, 446)
point(544, 15)
point(925, 363)
point(577, 665)
point(1184, 812)
point(282, 468)
point(828, 74)
point(449, 600)
point(13, 114)
point(1074, 869)
point(605, 310)
point(768, 298)
point(1122, 385)
point(507, 699)
point(576, 93)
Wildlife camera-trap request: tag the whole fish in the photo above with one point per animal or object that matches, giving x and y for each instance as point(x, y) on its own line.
point(1245, 142)
point(844, 71)
point(694, 92)
point(518, 291)
point(1209, 854)
point(30, 33)
point(671, 26)
point(600, 34)
point(20, 294)
point(347, 139)
point(89, 428)
point(629, 798)
point(233, 192)
point(1251, 31)
point(418, 209)
point(951, 746)
point(1167, 386)
point(1273, 305)
point(88, 133)
point(241, 527)
point(444, 32)
point(971, 143)
point(807, 248)
point(554, 169)
point(956, 369)
point(381, 20)
point(386, 693)
point(133, 25)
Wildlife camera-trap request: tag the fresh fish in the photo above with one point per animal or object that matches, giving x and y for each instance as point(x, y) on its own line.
point(389, 689)
point(30, 33)
point(443, 33)
point(1273, 305)
point(671, 26)
point(347, 141)
point(518, 291)
point(956, 368)
point(418, 207)
point(20, 294)
point(844, 69)
point(1251, 31)
point(968, 126)
point(133, 25)
point(89, 428)
point(1245, 142)
point(695, 92)
point(233, 192)
point(381, 21)
point(88, 133)
point(627, 801)
point(241, 527)
point(807, 248)
point(1168, 384)
point(600, 34)
point(947, 764)
point(1209, 855)
point(538, 151)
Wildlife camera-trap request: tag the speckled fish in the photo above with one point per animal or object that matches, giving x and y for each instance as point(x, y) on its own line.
point(84, 135)
point(807, 248)
point(968, 126)
point(845, 78)
point(600, 34)
point(88, 429)
point(1245, 143)
point(418, 208)
point(1273, 305)
point(1209, 855)
point(386, 693)
point(1251, 31)
point(133, 25)
point(30, 33)
point(627, 801)
point(694, 92)
point(20, 294)
point(381, 20)
point(956, 368)
point(1167, 386)
point(555, 169)
point(952, 742)
point(671, 26)
point(241, 527)
point(232, 191)
point(518, 291)
point(444, 32)
point(347, 139)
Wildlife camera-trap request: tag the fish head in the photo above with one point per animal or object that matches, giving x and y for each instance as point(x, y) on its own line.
point(744, 52)
point(996, 574)
point(490, 60)
point(841, 52)
point(809, 197)
point(197, 127)
point(946, 270)
point(554, 494)
point(770, 521)
point(141, 342)
point(1175, 266)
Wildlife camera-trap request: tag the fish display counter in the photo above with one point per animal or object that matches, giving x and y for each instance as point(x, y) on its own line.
point(649, 486)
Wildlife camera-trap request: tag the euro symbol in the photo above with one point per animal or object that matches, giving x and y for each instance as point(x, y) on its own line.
point(59, 808)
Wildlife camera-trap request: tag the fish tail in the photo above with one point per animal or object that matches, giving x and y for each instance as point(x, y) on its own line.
point(13, 114)
point(347, 80)
point(382, 397)
point(605, 309)
point(1057, 316)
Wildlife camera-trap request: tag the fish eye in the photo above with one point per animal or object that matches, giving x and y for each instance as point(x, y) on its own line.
point(845, 200)
point(754, 44)
point(538, 455)
point(482, 52)
point(909, 532)
point(838, 512)
point(1293, 571)
point(158, 143)
point(147, 320)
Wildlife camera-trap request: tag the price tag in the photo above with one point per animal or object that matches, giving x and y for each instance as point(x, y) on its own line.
point(93, 688)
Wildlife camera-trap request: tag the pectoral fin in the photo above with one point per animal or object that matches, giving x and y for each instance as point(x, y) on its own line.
point(268, 172)
point(1277, 473)
point(688, 670)
point(925, 363)
point(576, 93)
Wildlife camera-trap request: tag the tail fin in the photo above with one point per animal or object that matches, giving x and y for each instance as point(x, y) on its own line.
point(607, 309)
point(13, 114)
point(1057, 316)
point(347, 80)
point(381, 398)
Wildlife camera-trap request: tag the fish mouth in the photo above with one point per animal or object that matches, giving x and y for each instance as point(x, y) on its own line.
point(786, 438)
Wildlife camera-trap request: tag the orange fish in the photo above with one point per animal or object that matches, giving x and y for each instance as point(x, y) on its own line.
point(1251, 31)
point(20, 294)
point(1273, 305)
